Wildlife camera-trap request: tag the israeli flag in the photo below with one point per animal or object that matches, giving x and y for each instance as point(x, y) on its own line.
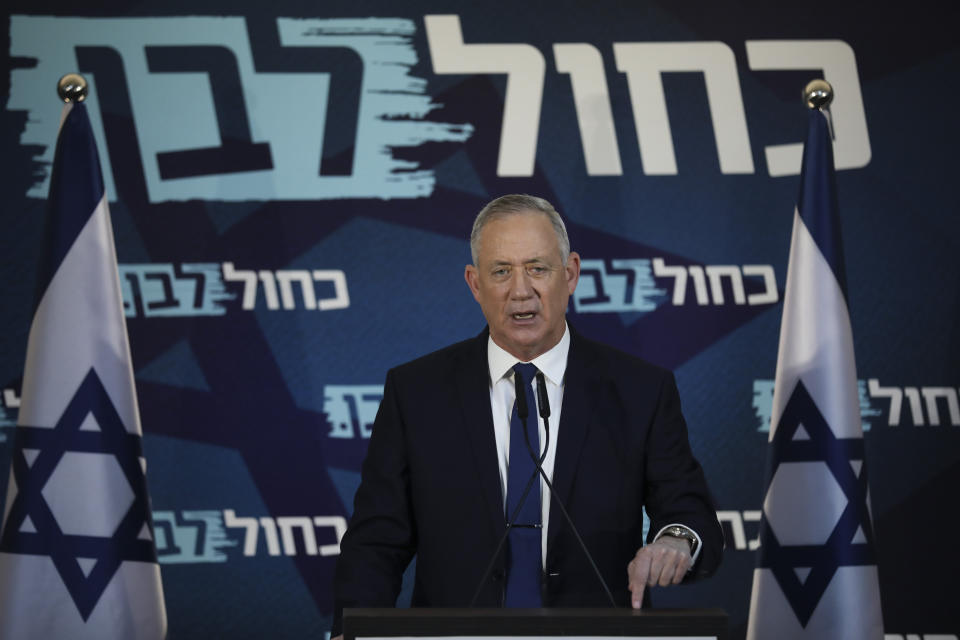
point(77, 553)
point(816, 574)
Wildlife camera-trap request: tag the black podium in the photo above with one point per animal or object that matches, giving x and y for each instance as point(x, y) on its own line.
point(502, 624)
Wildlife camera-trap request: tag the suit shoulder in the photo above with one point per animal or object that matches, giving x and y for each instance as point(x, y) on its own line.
point(439, 360)
point(622, 363)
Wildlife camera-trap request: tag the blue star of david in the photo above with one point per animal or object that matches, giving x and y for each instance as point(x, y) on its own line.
point(839, 549)
point(48, 539)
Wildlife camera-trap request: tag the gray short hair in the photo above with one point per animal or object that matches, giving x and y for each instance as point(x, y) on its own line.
point(514, 204)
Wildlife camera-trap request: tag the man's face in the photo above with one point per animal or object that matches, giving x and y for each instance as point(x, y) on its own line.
point(522, 284)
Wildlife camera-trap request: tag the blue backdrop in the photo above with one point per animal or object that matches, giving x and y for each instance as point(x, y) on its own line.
point(292, 186)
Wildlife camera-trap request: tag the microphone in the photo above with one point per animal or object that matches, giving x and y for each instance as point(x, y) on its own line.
point(544, 404)
point(523, 411)
point(543, 401)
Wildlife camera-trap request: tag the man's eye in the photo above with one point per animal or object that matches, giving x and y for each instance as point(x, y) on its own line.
point(500, 272)
point(537, 269)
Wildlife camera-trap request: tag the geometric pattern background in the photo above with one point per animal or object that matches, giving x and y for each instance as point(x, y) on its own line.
point(292, 187)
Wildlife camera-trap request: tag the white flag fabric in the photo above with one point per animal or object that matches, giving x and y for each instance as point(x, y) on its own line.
point(77, 553)
point(816, 574)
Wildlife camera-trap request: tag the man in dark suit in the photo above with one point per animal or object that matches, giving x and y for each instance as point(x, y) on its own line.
point(439, 478)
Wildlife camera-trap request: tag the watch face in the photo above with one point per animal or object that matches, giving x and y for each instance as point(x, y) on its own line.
point(678, 532)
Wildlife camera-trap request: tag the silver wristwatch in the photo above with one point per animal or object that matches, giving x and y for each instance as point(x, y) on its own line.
point(684, 533)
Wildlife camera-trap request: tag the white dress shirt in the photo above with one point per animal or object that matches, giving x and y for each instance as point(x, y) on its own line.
point(553, 365)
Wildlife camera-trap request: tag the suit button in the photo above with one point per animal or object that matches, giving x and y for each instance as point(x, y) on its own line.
point(499, 575)
point(551, 580)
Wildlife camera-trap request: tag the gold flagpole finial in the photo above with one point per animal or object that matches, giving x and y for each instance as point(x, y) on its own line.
point(72, 88)
point(818, 94)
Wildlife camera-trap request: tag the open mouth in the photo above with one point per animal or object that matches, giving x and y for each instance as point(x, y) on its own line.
point(523, 316)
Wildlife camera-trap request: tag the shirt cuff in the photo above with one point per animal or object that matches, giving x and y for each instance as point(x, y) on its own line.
point(696, 553)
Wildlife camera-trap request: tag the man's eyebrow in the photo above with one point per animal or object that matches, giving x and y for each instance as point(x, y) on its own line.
point(499, 263)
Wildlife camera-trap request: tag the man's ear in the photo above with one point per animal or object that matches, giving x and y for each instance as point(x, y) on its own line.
point(472, 277)
point(572, 271)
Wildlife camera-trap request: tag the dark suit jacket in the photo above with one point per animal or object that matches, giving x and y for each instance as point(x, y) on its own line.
point(431, 486)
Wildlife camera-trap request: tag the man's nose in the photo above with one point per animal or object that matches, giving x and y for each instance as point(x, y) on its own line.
point(520, 285)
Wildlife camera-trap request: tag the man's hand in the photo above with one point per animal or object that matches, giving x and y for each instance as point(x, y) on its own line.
point(662, 562)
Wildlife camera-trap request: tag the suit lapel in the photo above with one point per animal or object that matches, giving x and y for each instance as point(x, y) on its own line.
point(580, 395)
point(473, 389)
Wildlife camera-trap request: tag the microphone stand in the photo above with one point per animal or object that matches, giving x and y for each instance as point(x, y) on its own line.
point(543, 403)
point(522, 413)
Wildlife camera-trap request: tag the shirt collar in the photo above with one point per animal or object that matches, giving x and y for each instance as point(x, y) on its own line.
point(553, 363)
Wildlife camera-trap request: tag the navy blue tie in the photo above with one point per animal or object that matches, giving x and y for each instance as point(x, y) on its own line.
point(523, 564)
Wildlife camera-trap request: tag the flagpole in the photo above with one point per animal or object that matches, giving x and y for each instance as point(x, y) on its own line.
point(77, 550)
point(816, 575)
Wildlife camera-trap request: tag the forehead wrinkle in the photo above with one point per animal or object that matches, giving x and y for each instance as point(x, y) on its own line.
point(523, 260)
point(502, 262)
point(502, 246)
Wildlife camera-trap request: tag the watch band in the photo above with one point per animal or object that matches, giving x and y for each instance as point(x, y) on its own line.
point(677, 531)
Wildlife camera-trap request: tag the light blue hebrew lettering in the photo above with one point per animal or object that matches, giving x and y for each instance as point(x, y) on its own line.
point(173, 290)
point(175, 113)
point(616, 286)
point(191, 537)
point(763, 404)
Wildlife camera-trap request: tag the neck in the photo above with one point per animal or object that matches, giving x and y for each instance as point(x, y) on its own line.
point(526, 355)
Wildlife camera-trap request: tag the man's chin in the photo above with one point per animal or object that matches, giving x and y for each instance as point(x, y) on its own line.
point(525, 344)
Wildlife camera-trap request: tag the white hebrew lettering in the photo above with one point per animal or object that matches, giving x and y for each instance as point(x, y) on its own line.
point(753, 516)
point(699, 284)
point(592, 102)
point(269, 289)
point(643, 62)
point(339, 525)
point(679, 275)
point(715, 273)
point(287, 525)
point(851, 145)
point(525, 69)
point(896, 399)
point(769, 296)
point(916, 410)
point(249, 280)
point(231, 521)
point(930, 394)
point(286, 278)
point(283, 296)
point(339, 279)
point(270, 535)
point(10, 399)
point(736, 527)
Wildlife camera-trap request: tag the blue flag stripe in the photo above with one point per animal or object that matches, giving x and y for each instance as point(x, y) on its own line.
point(817, 559)
point(817, 203)
point(76, 186)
